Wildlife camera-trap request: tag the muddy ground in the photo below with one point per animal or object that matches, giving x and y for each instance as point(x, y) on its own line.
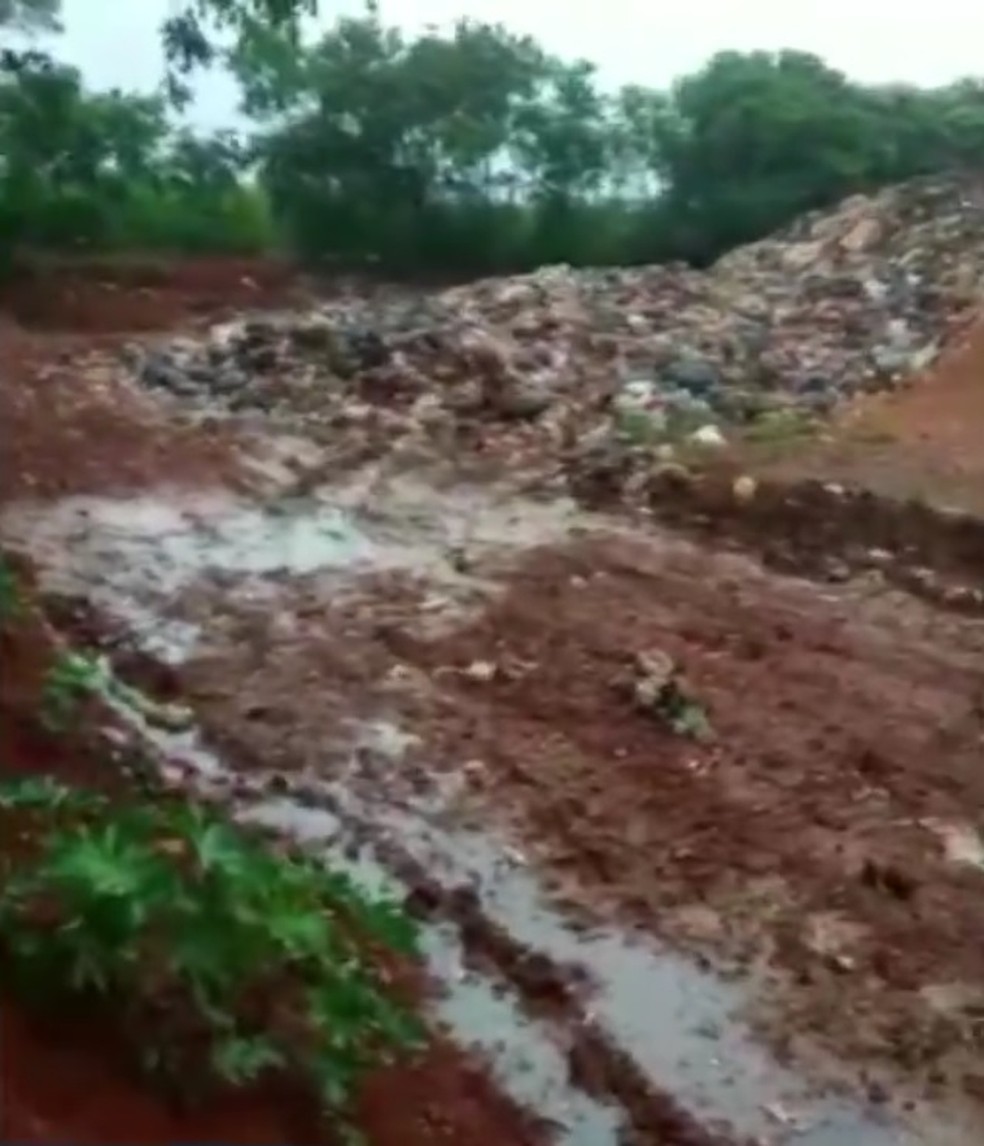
point(761, 924)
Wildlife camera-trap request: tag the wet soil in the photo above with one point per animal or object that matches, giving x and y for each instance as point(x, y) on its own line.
point(809, 835)
point(769, 929)
point(62, 435)
point(68, 1079)
point(831, 532)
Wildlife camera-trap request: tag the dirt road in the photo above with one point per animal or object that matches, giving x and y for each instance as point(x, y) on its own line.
point(694, 839)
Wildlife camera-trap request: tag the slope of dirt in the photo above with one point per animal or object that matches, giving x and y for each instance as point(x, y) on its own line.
point(925, 441)
point(71, 427)
point(130, 294)
point(819, 806)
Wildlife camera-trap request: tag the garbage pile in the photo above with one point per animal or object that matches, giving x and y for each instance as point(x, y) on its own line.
point(854, 299)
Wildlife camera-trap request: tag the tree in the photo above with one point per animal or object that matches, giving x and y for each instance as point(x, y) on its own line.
point(761, 137)
point(203, 32)
point(465, 152)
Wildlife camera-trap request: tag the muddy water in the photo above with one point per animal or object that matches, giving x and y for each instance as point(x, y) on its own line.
point(134, 557)
point(676, 1021)
point(524, 1057)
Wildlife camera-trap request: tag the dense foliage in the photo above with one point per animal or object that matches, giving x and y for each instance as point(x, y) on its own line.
point(465, 152)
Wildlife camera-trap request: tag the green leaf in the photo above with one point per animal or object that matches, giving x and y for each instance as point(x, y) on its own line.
point(243, 1059)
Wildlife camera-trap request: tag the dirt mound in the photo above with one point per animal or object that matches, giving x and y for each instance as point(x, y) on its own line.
point(72, 423)
point(107, 295)
point(924, 441)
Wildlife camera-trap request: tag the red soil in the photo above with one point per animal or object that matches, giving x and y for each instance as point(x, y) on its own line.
point(846, 723)
point(925, 440)
point(73, 424)
point(102, 296)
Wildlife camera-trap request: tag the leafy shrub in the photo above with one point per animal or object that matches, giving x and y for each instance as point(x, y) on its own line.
point(208, 938)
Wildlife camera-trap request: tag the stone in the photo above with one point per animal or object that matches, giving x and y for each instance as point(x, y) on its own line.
point(744, 489)
point(708, 435)
point(695, 375)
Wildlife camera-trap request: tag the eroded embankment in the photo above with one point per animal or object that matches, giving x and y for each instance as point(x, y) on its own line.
point(831, 532)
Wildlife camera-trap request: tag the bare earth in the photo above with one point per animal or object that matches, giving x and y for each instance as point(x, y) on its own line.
point(767, 931)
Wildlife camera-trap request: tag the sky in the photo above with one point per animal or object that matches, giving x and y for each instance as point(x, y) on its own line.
point(631, 41)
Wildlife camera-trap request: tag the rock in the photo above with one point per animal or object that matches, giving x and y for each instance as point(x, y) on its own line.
point(744, 489)
point(708, 436)
point(697, 376)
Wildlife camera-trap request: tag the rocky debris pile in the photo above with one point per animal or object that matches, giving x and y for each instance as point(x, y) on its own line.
point(851, 300)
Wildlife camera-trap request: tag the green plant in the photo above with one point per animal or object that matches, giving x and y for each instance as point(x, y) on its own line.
point(70, 680)
point(211, 940)
point(661, 690)
point(10, 600)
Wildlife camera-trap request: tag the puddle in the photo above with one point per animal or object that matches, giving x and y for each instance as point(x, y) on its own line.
point(134, 557)
point(524, 1060)
point(123, 544)
point(675, 1020)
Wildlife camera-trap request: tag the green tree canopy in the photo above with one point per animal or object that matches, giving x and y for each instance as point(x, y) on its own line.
point(465, 151)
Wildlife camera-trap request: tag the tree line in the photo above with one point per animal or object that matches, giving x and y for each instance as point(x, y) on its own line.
point(466, 152)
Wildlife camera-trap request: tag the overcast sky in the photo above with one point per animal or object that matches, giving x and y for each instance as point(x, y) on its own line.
point(639, 41)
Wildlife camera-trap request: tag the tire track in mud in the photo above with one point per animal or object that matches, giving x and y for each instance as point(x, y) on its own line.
point(556, 996)
point(574, 1075)
point(545, 990)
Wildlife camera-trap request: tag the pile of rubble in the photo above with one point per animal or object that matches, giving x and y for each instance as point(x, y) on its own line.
point(851, 300)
